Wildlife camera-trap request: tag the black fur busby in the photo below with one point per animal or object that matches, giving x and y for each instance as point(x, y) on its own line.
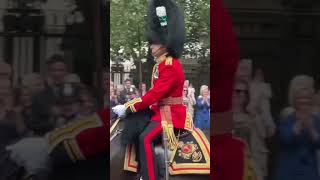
point(166, 26)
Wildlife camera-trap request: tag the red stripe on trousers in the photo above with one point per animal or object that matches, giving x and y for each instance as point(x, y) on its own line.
point(148, 150)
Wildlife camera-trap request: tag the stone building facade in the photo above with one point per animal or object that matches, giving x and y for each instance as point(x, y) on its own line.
point(281, 37)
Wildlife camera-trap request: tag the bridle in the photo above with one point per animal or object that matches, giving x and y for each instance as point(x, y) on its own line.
point(117, 131)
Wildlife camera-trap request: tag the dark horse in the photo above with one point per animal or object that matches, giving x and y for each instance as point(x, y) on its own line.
point(133, 123)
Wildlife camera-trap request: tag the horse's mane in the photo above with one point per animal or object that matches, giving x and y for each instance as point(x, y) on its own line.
point(134, 124)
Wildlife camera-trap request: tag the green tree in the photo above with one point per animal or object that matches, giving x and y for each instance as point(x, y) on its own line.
point(128, 25)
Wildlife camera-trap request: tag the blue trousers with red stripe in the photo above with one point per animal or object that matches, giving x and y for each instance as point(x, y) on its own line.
point(148, 165)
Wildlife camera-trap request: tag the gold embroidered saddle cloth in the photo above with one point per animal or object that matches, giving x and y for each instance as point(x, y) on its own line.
point(192, 156)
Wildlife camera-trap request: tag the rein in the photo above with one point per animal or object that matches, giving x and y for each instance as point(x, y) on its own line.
point(117, 132)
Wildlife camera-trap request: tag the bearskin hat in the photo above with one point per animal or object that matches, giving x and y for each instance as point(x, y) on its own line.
point(166, 26)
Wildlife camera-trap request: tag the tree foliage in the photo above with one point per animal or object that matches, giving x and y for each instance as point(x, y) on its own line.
point(128, 25)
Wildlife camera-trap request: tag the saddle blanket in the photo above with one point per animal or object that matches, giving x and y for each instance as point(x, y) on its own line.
point(192, 156)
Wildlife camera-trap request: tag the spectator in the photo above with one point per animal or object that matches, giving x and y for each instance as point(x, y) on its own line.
point(186, 83)
point(24, 107)
point(191, 90)
point(244, 70)
point(192, 99)
point(8, 126)
point(57, 70)
point(72, 78)
point(243, 122)
point(142, 89)
point(5, 79)
point(299, 134)
point(33, 82)
point(119, 89)
point(260, 95)
point(68, 103)
point(262, 125)
point(114, 100)
point(133, 94)
point(187, 101)
point(127, 92)
point(87, 106)
point(202, 118)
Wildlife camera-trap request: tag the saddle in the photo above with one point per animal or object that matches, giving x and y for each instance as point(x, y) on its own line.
point(192, 156)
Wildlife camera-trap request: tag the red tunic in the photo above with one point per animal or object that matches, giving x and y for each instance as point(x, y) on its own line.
point(93, 141)
point(83, 139)
point(224, 59)
point(228, 154)
point(228, 158)
point(167, 81)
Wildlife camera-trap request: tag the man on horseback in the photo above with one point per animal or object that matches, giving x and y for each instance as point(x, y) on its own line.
point(166, 35)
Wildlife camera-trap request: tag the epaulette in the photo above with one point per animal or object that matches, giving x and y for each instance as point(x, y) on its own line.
point(130, 104)
point(70, 131)
point(168, 61)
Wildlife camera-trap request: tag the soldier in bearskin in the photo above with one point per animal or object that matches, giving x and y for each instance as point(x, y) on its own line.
point(166, 36)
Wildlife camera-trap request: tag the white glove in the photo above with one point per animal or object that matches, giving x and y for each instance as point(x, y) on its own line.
point(31, 153)
point(120, 110)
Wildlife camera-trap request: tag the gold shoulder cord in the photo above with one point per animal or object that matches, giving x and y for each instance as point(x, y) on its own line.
point(154, 69)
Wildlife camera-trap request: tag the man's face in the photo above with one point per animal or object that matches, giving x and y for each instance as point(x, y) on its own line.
point(132, 96)
point(143, 86)
point(155, 48)
point(186, 84)
point(87, 104)
point(128, 84)
point(240, 94)
point(38, 85)
point(69, 109)
point(57, 71)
